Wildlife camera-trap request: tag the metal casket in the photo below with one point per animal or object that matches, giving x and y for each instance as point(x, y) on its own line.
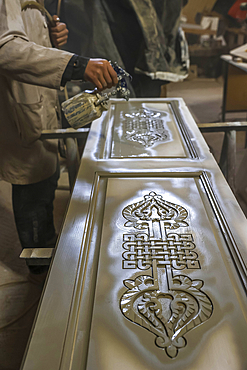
point(150, 269)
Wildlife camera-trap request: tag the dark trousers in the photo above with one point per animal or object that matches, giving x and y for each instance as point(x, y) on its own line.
point(33, 211)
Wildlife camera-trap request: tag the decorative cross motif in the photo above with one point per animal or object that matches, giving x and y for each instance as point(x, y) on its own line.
point(166, 303)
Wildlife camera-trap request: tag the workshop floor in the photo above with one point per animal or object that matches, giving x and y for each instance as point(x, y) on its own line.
point(18, 297)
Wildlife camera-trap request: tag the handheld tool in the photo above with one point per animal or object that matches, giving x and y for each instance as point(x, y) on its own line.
point(34, 5)
point(87, 106)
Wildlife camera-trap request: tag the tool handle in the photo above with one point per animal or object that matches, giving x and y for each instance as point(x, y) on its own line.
point(34, 5)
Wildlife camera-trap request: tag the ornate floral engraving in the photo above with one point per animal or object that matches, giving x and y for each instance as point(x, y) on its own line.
point(166, 302)
point(145, 127)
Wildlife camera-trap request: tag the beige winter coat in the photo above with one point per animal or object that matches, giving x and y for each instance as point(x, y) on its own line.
point(29, 75)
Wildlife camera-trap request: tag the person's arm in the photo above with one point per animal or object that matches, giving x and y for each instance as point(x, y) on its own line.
point(23, 60)
point(28, 62)
point(97, 71)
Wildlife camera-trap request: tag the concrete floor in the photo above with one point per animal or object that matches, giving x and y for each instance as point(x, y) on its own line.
point(18, 297)
point(204, 100)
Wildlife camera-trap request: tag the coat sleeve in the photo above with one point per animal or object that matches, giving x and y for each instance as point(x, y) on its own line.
point(23, 60)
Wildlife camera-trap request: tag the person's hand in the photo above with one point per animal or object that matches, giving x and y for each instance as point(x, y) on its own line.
point(58, 32)
point(101, 74)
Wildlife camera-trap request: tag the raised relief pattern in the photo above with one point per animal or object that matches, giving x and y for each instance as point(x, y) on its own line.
point(166, 302)
point(145, 127)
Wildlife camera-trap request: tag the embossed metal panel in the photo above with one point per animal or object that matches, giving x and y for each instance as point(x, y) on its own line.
point(150, 269)
point(147, 129)
point(164, 295)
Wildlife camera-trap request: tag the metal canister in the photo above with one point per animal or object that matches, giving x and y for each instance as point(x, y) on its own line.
point(81, 109)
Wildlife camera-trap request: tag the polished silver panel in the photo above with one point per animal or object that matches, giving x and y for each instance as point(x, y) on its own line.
point(150, 269)
point(147, 129)
point(163, 289)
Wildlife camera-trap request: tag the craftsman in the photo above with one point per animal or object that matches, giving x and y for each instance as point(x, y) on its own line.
point(30, 73)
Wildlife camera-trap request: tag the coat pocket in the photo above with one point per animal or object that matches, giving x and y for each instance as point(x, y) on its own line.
point(29, 121)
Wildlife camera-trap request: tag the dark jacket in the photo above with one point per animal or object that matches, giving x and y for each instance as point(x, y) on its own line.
point(142, 36)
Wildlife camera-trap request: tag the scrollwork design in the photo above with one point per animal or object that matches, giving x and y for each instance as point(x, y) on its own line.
point(180, 305)
point(168, 315)
point(145, 127)
point(153, 207)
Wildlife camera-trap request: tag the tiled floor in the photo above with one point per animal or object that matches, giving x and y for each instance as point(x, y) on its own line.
point(18, 297)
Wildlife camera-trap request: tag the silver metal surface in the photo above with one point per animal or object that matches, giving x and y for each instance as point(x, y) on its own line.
point(166, 277)
point(149, 129)
point(150, 269)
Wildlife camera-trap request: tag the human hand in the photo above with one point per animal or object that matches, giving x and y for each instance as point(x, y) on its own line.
point(101, 74)
point(58, 32)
